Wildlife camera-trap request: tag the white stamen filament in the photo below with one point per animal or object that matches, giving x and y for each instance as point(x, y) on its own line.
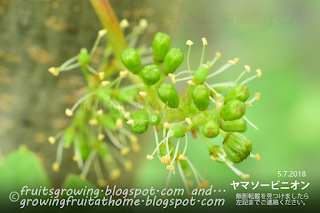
point(69, 61)
point(92, 70)
point(97, 169)
point(88, 163)
point(227, 84)
point(114, 140)
point(77, 153)
point(82, 99)
point(213, 90)
point(183, 178)
point(175, 153)
point(250, 123)
point(60, 150)
point(157, 140)
point(249, 79)
point(70, 67)
point(229, 164)
point(193, 170)
point(185, 147)
point(223, 68)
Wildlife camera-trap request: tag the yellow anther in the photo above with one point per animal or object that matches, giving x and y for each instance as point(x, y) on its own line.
point(130, 122)
point(123, 74)
point(56, 167)
point(143, 23)
point(232, 62)
point(182, 157)
point(257, 157)
point(170, 167)
point(171, 75)
point(51, 140)
point(189, 42)
point(119, 122)
point(102, 32)
point(199, 186)
point(236, 60)
point(257, 95)
point(188, 120)
point(259, 72)
point(205, 184)
point(100, 137)
point(245, 176)
point(166, 125)
point(189, 182)
point(163, 160)
point(212, 158)
point(93, 122)
point(168, 160)
point(128, 165)
point(136, 147)
point(125, 150)
point(247, 68)
point(190, 82)
point(133, 139)
point(124, 23)
point(219, 105)
point(173, 80)
point(149, 157)
point(115, 174)
point(218, 55)
point(68, 112)
point(100, 112)
point(143, 94)
point(102, 183)
point(120, 108)
point(249, 104)
point(82, 177)
point(54, 70)
point(126, 114)
point(75, 158)
point(218, 96)
point(105, 83)
point(204, 41)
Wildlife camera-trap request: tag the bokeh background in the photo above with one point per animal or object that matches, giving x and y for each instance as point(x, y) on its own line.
point(279, 37)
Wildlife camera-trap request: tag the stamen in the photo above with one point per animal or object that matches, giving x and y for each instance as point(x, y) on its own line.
point(143, 94)
point(123, 74)
point(77, 153)
point(124, 24)
point(205, 43)
point(101, 33)
point(220, 70)
point(93, 122)
point(175, 154)
point(183, 177)
point(125, 151)
point(54, 71)
point(188, 120)
point(92, 70)
point(69, 112)
point(236, 60)
point(259, 73)
point(70, 67)
point(68, 62)
point(56, 165)
point(87, 164)
point(105, 83)
point(101, 75)
point(97, 169)
point(218, 55)
point(130, 122)
point(100, 137)
point(119, 122)
point(51, 140)
point(115, 174)
point(256, 156)
point(213, 90)
point(237, 171)
point(213, 101)
point(168, 179)
point(114, 140)
point(257, 96)
point(190, 82)
point(193, 170)
point(232, 62)
point(250, 123)
point(226, 84)
point(157, 140)
point(219, 105)
point(184, 150)
point(190, 43)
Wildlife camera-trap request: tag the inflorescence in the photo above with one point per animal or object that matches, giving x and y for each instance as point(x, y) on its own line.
point(99, 132)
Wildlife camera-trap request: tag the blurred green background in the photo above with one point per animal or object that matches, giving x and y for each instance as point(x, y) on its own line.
point(279, 37)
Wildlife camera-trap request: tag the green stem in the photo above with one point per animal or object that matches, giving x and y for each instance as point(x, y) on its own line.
point(212, 148)
point(110, 22)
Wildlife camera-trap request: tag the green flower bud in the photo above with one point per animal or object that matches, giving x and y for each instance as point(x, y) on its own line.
point(69, 136)
point(84, 57)
point(127, 95)
point(211, 128)
point(110, 123)
point(140, 119)
point(237, 147)
point(201, 74)
point(239, 92)
point(200, 96)
point(131, 60)
point(150, 74)
point(172, 60)
point(168, 95)
point(233, 110)
point(154, 119)
point(178, 131)
point(239, 125)
point(160, 46)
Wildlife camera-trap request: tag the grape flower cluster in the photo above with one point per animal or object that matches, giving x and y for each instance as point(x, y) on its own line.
point(106, 130)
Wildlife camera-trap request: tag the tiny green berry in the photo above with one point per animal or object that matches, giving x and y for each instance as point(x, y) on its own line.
point(168, 95)
point(110, 123)
point(239, 92)
point(150, 74)
point(178, 131)
point(84, 57)
point(154, 119)
point(140, 124)
point(160, 46)
point(172, 60)
point(239, 125)
point(211, 128)
point(232, 110)
point(131, 60)
point(201, 74)
point(200, 96)
point(237, 147)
